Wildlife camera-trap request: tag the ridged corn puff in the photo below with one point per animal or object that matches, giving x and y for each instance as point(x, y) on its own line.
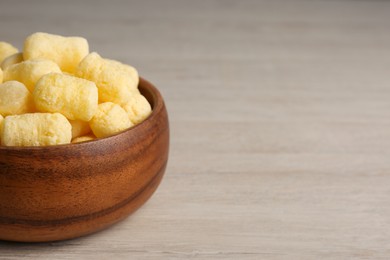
point(30, 71)
point(15, 99)
point(36, 129)
point(137, 108)
point(11, 60)
point(6, 50)
point(109, 119)
point(83, 138)
point(73, 97)
point(67, 52)
point(116, 82)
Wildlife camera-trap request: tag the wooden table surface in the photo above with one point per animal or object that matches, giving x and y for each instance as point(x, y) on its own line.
point(280, 125)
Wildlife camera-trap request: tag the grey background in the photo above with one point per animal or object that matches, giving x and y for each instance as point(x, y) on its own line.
point(280, 125)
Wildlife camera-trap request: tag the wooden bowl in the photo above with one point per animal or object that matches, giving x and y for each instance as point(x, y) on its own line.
point(66, 191)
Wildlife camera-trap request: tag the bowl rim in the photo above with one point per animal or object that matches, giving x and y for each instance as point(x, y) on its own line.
point(156, 101)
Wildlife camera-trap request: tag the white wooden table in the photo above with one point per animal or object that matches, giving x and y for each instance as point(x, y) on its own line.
point(280, 125)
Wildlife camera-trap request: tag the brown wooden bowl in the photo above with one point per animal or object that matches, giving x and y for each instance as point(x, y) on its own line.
point(66, 191)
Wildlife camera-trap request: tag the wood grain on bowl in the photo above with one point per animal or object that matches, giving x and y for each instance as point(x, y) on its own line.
point(65, 191)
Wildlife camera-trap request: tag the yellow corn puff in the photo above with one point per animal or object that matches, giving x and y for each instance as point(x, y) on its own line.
point(138, 108)
point(36, 129)
point(15, 99)
point(130, 70)
point(1, 76)
point(109, 119)
point(30, 71)
point(67, 52)
point(79, 128)
point(116, 82)
point(11, 60)
point(73, 97)
point(6, 50)
point(83, 138)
